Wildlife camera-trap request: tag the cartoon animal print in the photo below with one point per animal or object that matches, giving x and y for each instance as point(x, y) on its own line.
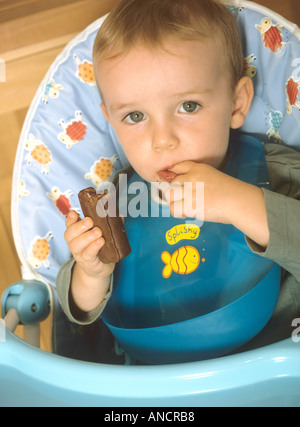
point(85, 71)
point(21, 189)
point(39, 251)
point(292, 92)
point(271, 35)
point(74, 131)
point(38, 152)
point(276, 118)
point(249, 70)
point(184, 260)
point(101, 170)
point(234, 10)
point(51, 90)
point(61, 200)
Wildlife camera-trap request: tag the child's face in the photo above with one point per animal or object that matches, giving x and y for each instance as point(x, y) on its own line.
point(169, 106)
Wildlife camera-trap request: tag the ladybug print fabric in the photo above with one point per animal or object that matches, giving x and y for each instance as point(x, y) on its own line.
point(66, 143)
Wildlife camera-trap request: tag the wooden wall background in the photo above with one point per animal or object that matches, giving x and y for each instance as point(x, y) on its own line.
point(32, 34)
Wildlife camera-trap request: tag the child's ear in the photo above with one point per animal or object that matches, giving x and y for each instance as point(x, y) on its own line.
point(243, 96)
point(103, 108)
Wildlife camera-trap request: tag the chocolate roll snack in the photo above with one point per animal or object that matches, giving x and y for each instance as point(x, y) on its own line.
point(95, 205)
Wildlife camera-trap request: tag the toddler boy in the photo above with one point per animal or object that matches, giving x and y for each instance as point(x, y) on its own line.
point(170, 75)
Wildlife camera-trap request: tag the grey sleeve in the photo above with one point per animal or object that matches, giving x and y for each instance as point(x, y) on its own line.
point(283, 209)
point(73, 313)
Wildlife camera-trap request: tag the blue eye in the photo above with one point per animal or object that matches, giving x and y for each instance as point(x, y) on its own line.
point(189, 107)
point(134, 117)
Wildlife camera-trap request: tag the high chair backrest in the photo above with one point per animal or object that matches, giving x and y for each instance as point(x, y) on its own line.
point(66, 144)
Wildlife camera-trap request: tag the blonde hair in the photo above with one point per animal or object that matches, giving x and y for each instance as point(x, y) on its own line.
point(151, 22)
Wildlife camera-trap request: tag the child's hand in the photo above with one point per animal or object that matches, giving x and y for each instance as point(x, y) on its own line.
point(84, 241)
point(192, 201)
point(227, 200)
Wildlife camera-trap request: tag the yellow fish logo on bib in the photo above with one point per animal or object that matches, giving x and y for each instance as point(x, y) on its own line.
point(184, 260)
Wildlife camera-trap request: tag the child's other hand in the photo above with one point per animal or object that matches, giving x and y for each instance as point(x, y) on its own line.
point(84, 241)
point(226, 199)
point(192, 201)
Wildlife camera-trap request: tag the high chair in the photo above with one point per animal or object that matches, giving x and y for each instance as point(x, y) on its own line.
point(65, 145)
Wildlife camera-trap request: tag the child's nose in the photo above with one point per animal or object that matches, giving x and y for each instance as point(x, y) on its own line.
point(164, 138)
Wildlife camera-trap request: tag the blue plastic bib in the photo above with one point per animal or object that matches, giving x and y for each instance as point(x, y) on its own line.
point(180, 269)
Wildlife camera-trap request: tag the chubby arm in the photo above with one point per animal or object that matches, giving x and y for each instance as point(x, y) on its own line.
point(91, 278)
point(227, 200)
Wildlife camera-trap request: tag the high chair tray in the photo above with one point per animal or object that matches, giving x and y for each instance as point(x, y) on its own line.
point(32, 377)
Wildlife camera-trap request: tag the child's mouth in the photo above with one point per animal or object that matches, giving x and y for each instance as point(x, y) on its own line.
point(166, 175)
